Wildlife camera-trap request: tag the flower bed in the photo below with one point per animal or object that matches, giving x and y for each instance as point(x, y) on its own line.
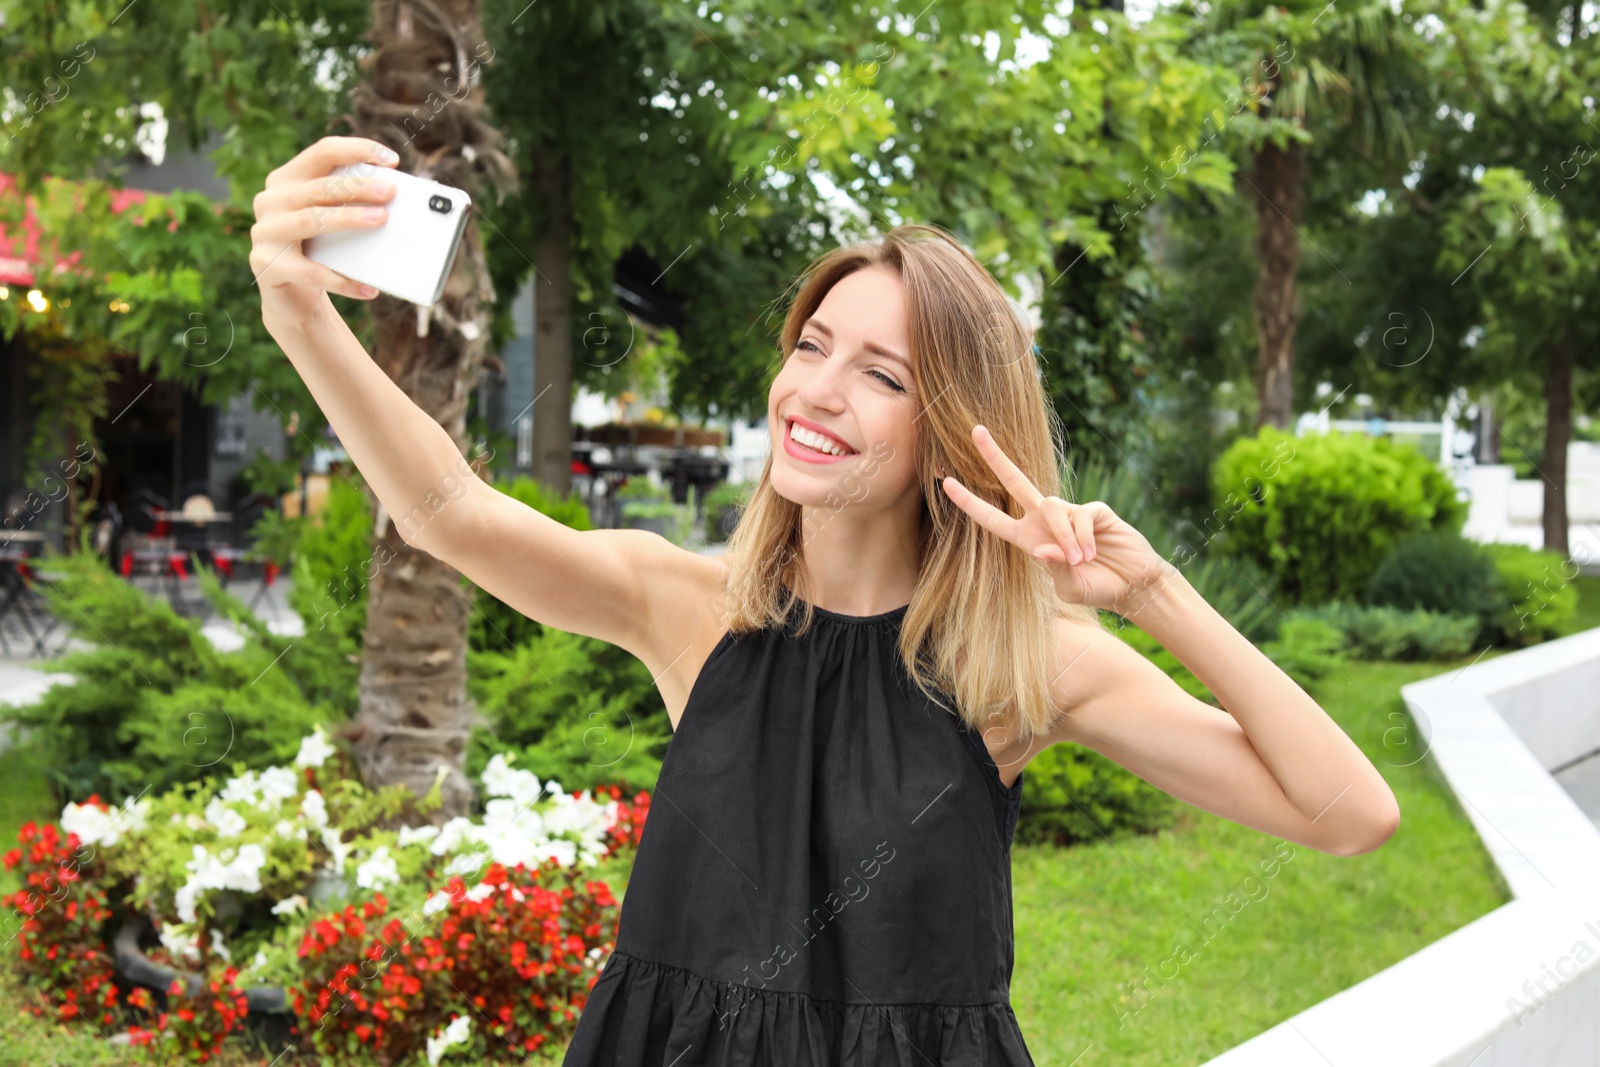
point(296, 889)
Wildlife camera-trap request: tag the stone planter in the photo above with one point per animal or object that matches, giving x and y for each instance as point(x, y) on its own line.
point(270, 1017)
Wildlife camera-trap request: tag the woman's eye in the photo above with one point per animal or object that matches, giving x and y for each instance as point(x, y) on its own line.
point(808, 346)
point(896, 386)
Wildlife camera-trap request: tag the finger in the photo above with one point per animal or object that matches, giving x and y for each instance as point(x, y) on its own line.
point(1058, 517)
point(345, 187)
point(288, 227)
point(1011, 477)
point(288, 268)
point(983, 513)
point(329, 152)
point(1083, 525)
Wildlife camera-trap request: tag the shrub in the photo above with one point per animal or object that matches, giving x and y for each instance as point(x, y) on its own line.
point(1384, 633)
point(572, 707)
point(1438, 571)
point(1306, 649)
point(1538, 599)
point(155, 704)
point(1321, 512)
point(1074, 794)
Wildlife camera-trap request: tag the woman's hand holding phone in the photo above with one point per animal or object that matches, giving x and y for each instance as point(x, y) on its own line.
point(301, 199)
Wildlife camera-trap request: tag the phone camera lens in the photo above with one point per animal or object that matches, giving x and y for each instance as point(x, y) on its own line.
point(440, 204)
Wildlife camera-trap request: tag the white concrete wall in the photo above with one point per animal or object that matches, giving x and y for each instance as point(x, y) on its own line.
point(1519, 987)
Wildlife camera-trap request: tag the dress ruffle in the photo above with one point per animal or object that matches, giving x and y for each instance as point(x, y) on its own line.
point(640, 1012)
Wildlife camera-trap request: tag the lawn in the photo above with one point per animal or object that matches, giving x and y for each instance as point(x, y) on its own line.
point(1120, 952)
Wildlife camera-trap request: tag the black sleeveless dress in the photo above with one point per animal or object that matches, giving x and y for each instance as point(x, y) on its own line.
point(825, 876)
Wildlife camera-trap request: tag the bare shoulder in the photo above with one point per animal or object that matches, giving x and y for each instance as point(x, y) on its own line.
point(685, 608)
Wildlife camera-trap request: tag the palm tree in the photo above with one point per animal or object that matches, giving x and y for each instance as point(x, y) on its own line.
point(1328, 82)
point(421, 97)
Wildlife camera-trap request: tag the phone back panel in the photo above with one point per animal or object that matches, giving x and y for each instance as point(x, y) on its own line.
point(410, 255)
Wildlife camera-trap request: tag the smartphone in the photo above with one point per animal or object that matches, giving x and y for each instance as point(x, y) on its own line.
point(410, 254)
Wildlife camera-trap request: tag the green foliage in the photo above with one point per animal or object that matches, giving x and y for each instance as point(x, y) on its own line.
point(1073, 794)
point(1380, 632)
point(574, 708)
point(1539, 599)
point(1440, 571)
point(1306, 650)
point(1321, 512)
point(154, 704)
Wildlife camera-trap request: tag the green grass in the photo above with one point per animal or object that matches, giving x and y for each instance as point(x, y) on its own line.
point(1113, 949)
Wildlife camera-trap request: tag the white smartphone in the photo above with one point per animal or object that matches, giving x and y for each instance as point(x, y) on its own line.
point(410, 255)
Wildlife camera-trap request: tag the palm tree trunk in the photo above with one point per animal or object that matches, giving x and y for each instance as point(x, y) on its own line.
point(1557, 434)
point(421, 98)
point(552, 311)
point(1278, 175)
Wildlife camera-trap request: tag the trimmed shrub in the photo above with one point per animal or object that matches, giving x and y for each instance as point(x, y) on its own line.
point(1438, 571)
point(1386, 633)
point(1538, 597)
point(1321, 512)
point(1074, 794)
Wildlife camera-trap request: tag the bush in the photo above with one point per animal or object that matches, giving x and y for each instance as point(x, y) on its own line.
point(572, 707)
point(156, 704)
point(1438, 571)
point(1320, 513)
point(1538, 599)
point(1385, 633)
point(1074, 794)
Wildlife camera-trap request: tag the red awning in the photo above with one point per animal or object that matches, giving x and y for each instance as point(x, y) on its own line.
point(25, 255)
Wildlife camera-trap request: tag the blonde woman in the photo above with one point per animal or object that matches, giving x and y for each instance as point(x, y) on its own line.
point(906, 615)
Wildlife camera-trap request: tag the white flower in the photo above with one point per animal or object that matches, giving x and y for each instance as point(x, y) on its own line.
point(241, 871)
point(285, 828)
point(436, 903)
point(378, 871)
point(180, 941)
point(242, 789)
point(217, 945)
point(277, 785)
point(479, 892)
point(229, 823)
point(337, 850)
point(92, 825)
point(502, 780)
point(454, 1034)
point(289, 905)
point(257, 963)
point(314, 808)
point(314, 749)
point(416, 835)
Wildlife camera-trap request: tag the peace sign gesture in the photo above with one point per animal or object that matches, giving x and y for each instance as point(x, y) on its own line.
point(1094, 557)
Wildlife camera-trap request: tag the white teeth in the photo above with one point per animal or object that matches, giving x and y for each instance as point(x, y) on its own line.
point(815, 440)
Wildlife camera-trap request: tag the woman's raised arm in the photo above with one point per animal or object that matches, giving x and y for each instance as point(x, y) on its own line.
point(590, 582)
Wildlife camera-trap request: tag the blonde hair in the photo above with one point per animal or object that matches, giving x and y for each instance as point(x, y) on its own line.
point(980, 625)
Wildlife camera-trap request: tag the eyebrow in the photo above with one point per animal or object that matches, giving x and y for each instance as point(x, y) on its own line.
point(870, 346)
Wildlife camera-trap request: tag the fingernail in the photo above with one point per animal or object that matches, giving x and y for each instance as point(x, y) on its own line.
point(367, 290)
point(1074, 556)
point(388, 155)
point(374, 213)
point(381, 187)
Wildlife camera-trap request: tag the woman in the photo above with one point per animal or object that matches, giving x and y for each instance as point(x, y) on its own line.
point(904, 618)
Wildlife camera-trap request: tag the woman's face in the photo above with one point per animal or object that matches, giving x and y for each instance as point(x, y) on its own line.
point(849, 376)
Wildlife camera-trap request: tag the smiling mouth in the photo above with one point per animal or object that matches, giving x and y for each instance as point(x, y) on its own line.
point(817, 442)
